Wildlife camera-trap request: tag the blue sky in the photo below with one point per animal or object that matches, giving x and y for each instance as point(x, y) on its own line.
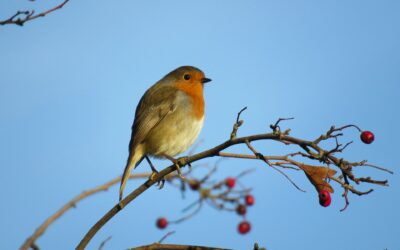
point(70, 83)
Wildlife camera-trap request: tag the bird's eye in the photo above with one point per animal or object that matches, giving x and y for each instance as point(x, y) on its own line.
point(186, 77)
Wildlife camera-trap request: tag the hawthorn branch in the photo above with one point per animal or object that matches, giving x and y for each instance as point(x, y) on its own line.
point(157, 246)
point(158, 177)
point(105, 186)
point(217, 199)
point(276, 128)
point(30, 242)
point(103, 243)
point(165, 237)
point(330, 133)
point(21, 17)
point(312, 151)
point(279, 160)
point(237, 124)
point(190, 215)
point(263, 158)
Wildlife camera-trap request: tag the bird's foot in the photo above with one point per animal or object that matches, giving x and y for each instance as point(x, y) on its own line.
point(154, 174)
point(178, 163)
point(160, 183)
point(178, 169)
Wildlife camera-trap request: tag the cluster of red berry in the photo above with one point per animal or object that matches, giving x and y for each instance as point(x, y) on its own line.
point(241, 209)
point(324, 196)
point(248, 200)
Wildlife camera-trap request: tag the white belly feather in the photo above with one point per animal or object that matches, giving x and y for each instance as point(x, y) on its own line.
point(186, 133)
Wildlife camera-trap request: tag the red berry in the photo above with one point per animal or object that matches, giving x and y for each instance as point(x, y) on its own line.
point(241, 209)
point(244, 227)
point(367, 137)
point(230, 182)
point(324, 198)
point(194, 184)
point(162, 223)
point(249, 199)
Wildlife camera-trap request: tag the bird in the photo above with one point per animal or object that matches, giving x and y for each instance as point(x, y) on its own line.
point(168, 119)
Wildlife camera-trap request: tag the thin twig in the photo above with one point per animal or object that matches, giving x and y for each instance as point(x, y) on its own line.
point(72, 204)
point(377, 167)
point(156, 246)
point(275, 127)
point(237, 124)
point(103, 243)
point(261, 157)
point(188, 216)
point(21, 17)
point(165, 237)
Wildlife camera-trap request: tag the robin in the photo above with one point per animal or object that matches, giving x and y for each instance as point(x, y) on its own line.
point(168, 119)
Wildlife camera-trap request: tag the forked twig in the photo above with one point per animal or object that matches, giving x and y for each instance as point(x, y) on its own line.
point(21, 17)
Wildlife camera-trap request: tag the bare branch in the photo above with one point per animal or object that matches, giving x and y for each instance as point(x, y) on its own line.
point(321, 156)
point(165, 237)
point(237, 124)
point(103, 243)
point(156, 246)
point(184, 160)
point(72, 204)
point(377, 167)
point(263, 158)
point(21, 17)
point(275, 127)
point(312, 150)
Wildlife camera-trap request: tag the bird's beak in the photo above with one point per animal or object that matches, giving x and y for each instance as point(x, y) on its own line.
point(205, 80)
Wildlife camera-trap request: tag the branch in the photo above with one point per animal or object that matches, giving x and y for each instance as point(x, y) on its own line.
point(165, 237)
point(72, 204)
point(311, 148)
point(103, 243)
point(262, 157)
point(157, 246)
point(237, 124)
point(104, 187)
point(21, 17)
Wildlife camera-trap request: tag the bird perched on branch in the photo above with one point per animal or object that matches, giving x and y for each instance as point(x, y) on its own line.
point(168, 119)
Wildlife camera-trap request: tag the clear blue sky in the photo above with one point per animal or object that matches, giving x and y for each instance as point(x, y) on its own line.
point(69, 84)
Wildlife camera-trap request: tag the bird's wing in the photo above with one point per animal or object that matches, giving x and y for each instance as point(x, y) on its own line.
point(155, 105)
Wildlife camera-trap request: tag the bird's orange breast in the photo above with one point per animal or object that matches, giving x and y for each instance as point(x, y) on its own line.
point(195, 92)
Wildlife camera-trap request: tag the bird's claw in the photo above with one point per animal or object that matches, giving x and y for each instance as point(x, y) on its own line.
point(160, 183)
point(177, 162)
point(178, 169)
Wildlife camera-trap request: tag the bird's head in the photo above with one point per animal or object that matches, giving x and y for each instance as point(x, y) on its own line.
point(187, 76)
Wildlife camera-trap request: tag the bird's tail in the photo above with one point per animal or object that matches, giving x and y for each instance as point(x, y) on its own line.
point(134, 159)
